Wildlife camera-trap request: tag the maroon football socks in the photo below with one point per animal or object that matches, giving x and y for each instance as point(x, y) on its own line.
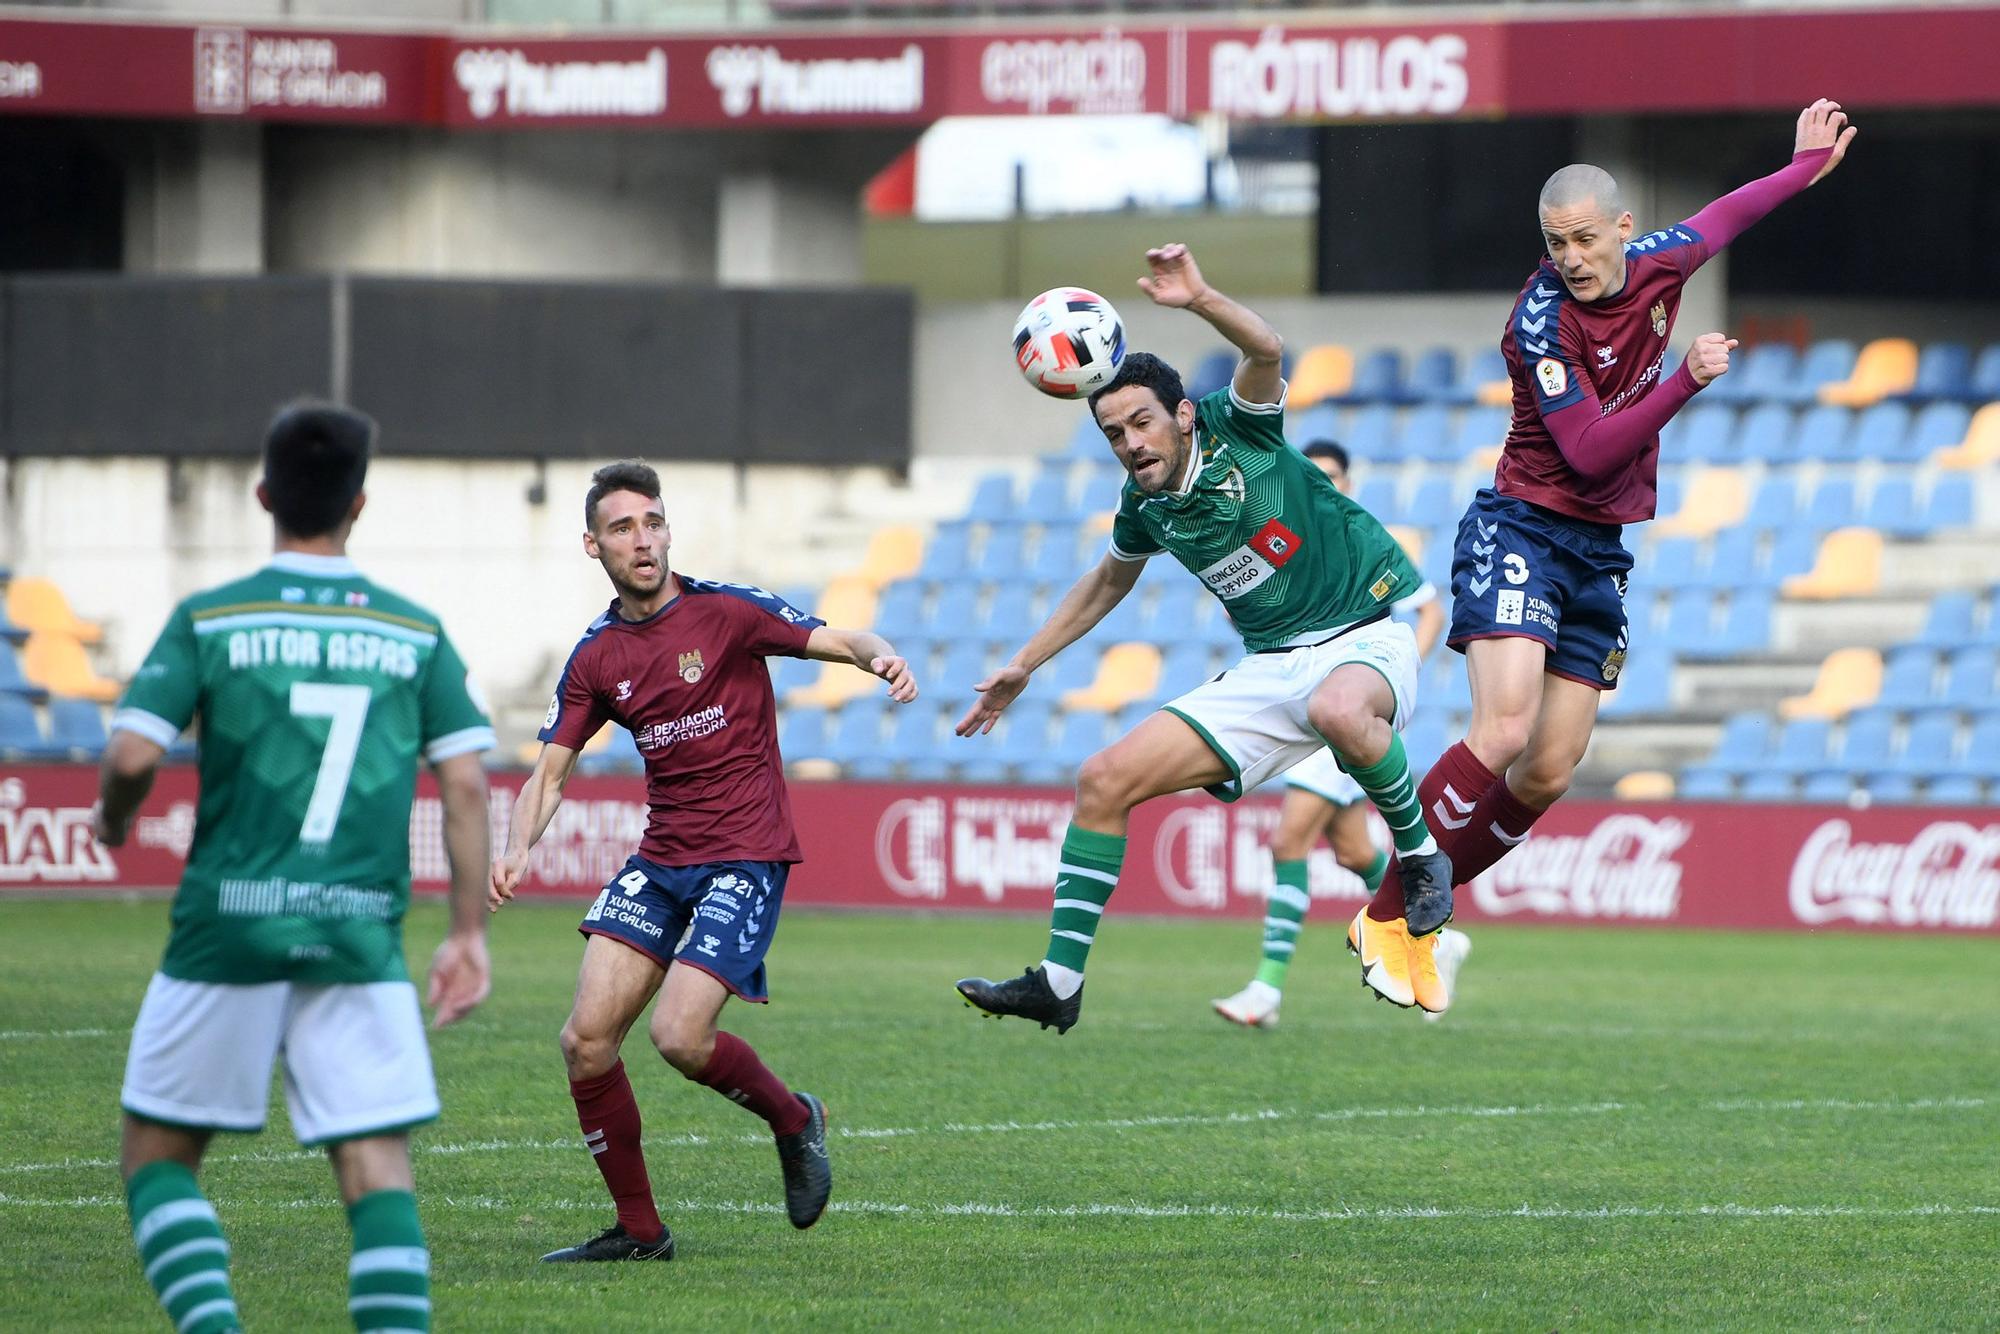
point(734, 1071)
point(609, 1116)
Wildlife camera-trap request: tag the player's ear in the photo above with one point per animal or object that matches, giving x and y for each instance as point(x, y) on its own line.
point(590, 545)
point(1625, 225)
point(354, 510)
point(264, 497)
point(1184, 415)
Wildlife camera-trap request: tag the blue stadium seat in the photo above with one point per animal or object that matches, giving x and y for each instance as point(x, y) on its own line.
point(1215, 629)
point(1746, 626)
point(1731, 554)
point(1073, 669)
point(1955, 790)
point(1438, 503)
point(947, 554)
point(20, 730)
point(1003, 555)
point(1427, 737)
point(1764, 434)
point(1929, 748)
point(1371, 433)
point(1831, 786)
point(1183, 667)
point(1445, 685)
point(1644, 687)
point(1767, 371)
point(1825, 363)
point(1321, 421)
point(1123, 623)
point(954, 608)
point(1767, 785)
point(1426, 434)
point(1794, 552)
point(1690, 622)
point(10, 632)
point(13, 681)
point(1101, 492)
point(1058, 555)
point(1211, 373)
point(788, 674)
point(1377, 495)
point(855, 733)
point(1775, 505)
point(619, 756)
point(1832, 505)
point(1642, 608)
point(1479, 428)
point(802, 733)
point(913, 740)
point(1944, 371)
point(1705, 435)
point(1020, 737)
point(1011, 618)
point(1968, 681)
point(1867, 743)
point(1078, 737)
point(1890, 789)
point(1378, 378)
point(1175, 608)
point(1892, 508)
point(1985, 384)
point(1825, 434)
point(1674, 563)
point(1981, 758)
point(1746, 740)
point(963, 663)
point(1907, 678)
point(992, 499)
point(899, 614)
point(1950, 504)
point(1704, 784)
point(1802, 747)
point(1048, 497)
point(1881, 432)
point(1951, 621)
point(1086, 438)
point(1936, 427)
point(76, 725)
point(1433, 376)
point(1667, 500)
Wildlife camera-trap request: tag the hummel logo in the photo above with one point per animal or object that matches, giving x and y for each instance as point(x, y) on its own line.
point(1511, 840)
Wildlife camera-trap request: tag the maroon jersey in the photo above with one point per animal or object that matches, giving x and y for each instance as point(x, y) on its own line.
point(1575, 364)
point(689, 683)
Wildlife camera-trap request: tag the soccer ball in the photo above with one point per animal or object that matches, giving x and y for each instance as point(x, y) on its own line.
point(1068, 342)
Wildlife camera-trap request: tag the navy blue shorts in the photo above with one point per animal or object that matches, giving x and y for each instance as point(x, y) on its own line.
point(719, 917)
point(1520, 571)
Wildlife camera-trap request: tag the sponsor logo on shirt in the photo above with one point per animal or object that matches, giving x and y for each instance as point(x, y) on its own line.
point(1507, 606)
point(624, 690)
point(1606, 357)
point(687, 727)
point(1380, 588)
point(691, 666)
point(1247, 567)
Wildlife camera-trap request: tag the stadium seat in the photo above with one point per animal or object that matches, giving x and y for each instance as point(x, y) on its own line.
point(1766, 372)
point(1833, 505)
point(1057, 558)
point(1370, 433)
point(1867, 743)
point(1705, 435)
point(1211, 373)
point(1768, 786)
point(38, 605)
point(1128, 672)
point(1101, 493)
point(1794, 551)
point(1847, 679)
point(1086, 438)
point(12, 681)
point(1645, 687)
point(1644, 785)
point(1479, 428)
point(894, 552)
point(1764, 434)
point(1377, 495)
point(1824, 434)
point(1830, 786)
point(1732, 557)
point(1825, 363)
point(1881, 433)
point(855, 732)
point(1182, 667)
point(1950, 504)
point(1955, 790)
point(1003, 554)
point(913, 739)
point(1427, 737)
point(1849, 565)
point(802, 734)
point(1746, 626)
point(1984, 385)
point(1746, 740)
point(10, 632)
point(1320, 422)
point(1802, 747)
point(1021, 737)
point(1080, 736)
point(1433, 377)
point(1892, 508)
point(1886, 366)
point(899, 614)
point(1930, 748)
point(1968, 678)
point(58, 664)
point(1909, 675)
point(1048, 497)
point(1674, 563)
point(1378, 378)
point(1981, 446)
point(20, 730)
point(1890, 789)
point(1426, 434)
point(1953, 620)
point(963, 665)
point(1324, 372)
point(1944, 372)
point(948, 555)
point(1410, 538)
point(1939, 426)
point(1690, 622)
point(1702, 784)
point(1716, 498)
point(618, 753)
point(1981, 757)
point(1776, 503)
point(1011, 617)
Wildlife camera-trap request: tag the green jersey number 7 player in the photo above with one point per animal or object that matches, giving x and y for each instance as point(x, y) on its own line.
point(1307, 577)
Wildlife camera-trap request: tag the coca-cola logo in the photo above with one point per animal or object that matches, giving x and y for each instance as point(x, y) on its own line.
point(927, 846)
point(1623, 868)
point(764, 79)
point(495, 77)
point(50, 844)
point(1278, 77)
point(1104, 74)
point(1948, 875)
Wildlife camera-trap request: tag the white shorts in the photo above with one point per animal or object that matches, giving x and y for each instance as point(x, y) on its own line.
point(1321, 775)
point(1254, 714)
point(356, 1063)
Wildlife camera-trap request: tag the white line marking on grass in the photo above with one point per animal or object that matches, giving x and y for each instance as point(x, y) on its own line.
point(30, 1034)
point(1221, 1119)
point(1143, 1212)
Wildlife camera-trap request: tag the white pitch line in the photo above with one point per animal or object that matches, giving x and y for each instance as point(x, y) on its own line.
point(30, 1034)
point(1147, 1212)
point(1262, 1116)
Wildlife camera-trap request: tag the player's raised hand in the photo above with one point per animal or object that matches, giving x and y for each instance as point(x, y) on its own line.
point(1709, 357)
point(506, 878)
point(1175, 280)
point(996, 692)
point(1824, 125)
point(461, 976)
point(894, 670)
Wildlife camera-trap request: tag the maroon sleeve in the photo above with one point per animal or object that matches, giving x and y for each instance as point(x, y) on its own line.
point(769, 628)
point(578, 709)
point(1597, 445)
point(1733, 214)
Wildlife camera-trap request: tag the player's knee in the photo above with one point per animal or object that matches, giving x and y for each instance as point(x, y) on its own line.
point(586, 1055)
point(1290, 846)
point(686, 1049)
point(1499, 737)
point(1344, 715)
point(1104, 788)
point(1543, 780)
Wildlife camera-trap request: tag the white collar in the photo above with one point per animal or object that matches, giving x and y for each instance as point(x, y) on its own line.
point(301, 562)
point(1194, 461)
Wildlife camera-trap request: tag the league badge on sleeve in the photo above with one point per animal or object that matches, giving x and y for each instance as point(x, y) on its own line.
point(1553, 377)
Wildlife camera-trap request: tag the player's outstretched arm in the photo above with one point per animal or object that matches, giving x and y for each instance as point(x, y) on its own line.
point(461, 974)
point(1089, 600)
point(533, 809)
point(1598, 445)
point(1817, 148)
point(124, 779)
point(1176, 282)
point(868, 651)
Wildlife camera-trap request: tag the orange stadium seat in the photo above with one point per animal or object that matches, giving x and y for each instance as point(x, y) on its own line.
point(1717, 498)
point(37, 604)
point(895, 552)
point(1848, 679)
point(1324, 372)
point(1885, 366)
point(1849, 565)
point(847, 603)
point(1644, 785)
point(58, 664)
point(1127, 672)
point(1981, 446)
point(1496, 394)
point(1411, 540)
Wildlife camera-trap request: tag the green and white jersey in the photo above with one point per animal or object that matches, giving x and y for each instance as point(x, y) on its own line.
point(1292, 559)
point(318, 692)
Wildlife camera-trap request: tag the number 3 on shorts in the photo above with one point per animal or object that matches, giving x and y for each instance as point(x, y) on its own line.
point(347, 706)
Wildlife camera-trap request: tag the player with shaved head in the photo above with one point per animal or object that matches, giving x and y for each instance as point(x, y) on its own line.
point(1538, 579)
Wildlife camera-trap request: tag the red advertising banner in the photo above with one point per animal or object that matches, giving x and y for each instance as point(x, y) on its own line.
point(1417, 71)
point(1909, 868)
point(1106, 71)
point(174, 72)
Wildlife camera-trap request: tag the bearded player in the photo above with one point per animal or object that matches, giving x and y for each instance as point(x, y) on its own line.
point(1539, 576)
point(1308, 579)
point(680, 663)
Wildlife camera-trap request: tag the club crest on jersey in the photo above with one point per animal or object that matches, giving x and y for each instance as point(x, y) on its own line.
point(1274, 541)
point(691, 666)
point(1659, 314)
point(1614, 663)
point(1232, 486)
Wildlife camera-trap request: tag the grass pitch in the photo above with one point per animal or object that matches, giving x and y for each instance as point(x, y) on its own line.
point(1611, 1129)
